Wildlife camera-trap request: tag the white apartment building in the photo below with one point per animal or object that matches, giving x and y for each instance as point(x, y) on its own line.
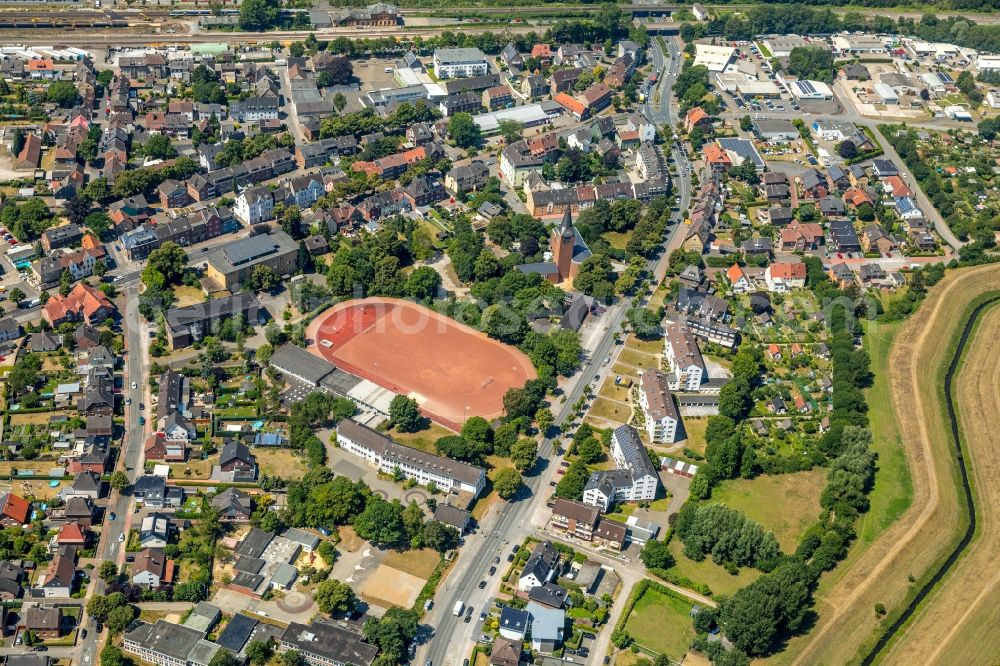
point(687, 368)
point(635, 480)
point(255, 205)
point(662, 418)
point(459, 63)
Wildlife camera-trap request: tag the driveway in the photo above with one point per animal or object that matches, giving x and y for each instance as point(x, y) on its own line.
point(233, 602)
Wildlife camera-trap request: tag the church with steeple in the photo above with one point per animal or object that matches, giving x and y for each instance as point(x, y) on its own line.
point(568, 251)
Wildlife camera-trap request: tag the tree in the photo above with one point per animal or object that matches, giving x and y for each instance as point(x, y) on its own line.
point(571, 485)
point(656, 555)
point(381, 522)
point(847, 149)
point(504, 323)
point(423, 283)
point(645, 323)
point(335, 597)
point(404, 412)
point(16, 296)
point(392, 633)
point(119, 480)
point(339, 102)
point(257, 15)
point(262, 278)
point(113, 656)
point(164, 266)
point(107, 571)
point(590, 450)
point(76, 209)
point(524, 453)
point(65, 282)
point(464, 131)
point(746, 123)
point(193, 591)
point(62, 93)
point(120, 617)
point(778, 602)
point(259, 652)
point(100, 268)
point(439, 536)
point(478, 430)
point(511, 130)
point(158, 147)
point(507, 483)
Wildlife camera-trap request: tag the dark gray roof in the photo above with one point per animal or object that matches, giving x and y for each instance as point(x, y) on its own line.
point(514, 619)
point(549, 594)
point(234, 450)
point(635, 453)
point(237, 632)
point(250, 565)
point(330, 642)
point(301, 364)
point(542, 561)
point(254, 543)
point(173, 640)
point(248, 580)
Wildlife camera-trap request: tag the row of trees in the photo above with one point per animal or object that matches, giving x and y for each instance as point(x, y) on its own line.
point(727, 535)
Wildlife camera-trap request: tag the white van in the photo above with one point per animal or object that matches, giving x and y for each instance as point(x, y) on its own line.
point(457, 610)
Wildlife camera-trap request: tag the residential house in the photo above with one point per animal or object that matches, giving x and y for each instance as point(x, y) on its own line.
point(83, 303)
point(158, 447)
point(14, 511)
point(875, 239)
point(45, 622)
point(540, 568)
point(152, 568)
point(155, 530)
point(467, 177)
point(255, 205)
point(233, 505)
point(634, 479)
point(801, 237)
point(236, 462)
point(783, 277)
point(59, 577)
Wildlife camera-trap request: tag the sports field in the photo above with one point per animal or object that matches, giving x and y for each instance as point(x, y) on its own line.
point(452, 370)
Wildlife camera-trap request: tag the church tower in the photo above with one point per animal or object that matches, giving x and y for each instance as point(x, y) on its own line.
point(563, 239)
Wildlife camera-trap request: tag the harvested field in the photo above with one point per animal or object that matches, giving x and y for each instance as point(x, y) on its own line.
point(958, 623)
point(785, 504)
point(388, 587)
point(935, 520)
point(420, 563)
point(451, 369)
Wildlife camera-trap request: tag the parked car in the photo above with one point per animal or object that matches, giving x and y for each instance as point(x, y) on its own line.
point(482, 584)
point(493, 570)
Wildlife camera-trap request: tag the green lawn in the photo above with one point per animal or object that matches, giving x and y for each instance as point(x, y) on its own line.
point(617, 240)
point(785, 504)
point(709, 573)
point(695, 428)
point(893, 491)
point(662, 623)
point(422, 439)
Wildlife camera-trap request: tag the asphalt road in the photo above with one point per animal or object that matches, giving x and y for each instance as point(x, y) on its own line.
point(449, 644)
point(110, 546)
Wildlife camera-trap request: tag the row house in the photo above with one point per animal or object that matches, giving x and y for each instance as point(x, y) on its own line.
point(304, 191)
point(393, 166)
point(168, 124)
point(384, 204)
point(564, 80)
point(129, 213)
point(498, 97)
point(144, 67)
point(320, 152)
point(467, 177)
point(173, 194)
point(255, 205)
point(46, 272)
point(424, 190)
point(254, 109)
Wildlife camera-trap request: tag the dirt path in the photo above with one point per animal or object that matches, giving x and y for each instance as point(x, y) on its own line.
point(958, 626)
point(933, 522)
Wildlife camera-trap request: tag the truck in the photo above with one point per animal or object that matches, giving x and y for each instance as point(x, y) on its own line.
point(457, 610)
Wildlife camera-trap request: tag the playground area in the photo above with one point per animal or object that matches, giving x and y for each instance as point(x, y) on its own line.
point(451, 370)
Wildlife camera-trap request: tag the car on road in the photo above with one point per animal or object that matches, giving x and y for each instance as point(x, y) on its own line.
point(39, 648)
point(83, 633)
point(99, 628)
point(142, 420)
point(516, 548)
point(493, 570)
point(482, 584)
point(121, 537)
point(482, 616)
point(19, 639)
point(142, 406)
point(128, 401)
point(510, 558)
point(496, 560)
point(468, 614)
point(135, 385)
point(112, 515)
point(564, 463)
